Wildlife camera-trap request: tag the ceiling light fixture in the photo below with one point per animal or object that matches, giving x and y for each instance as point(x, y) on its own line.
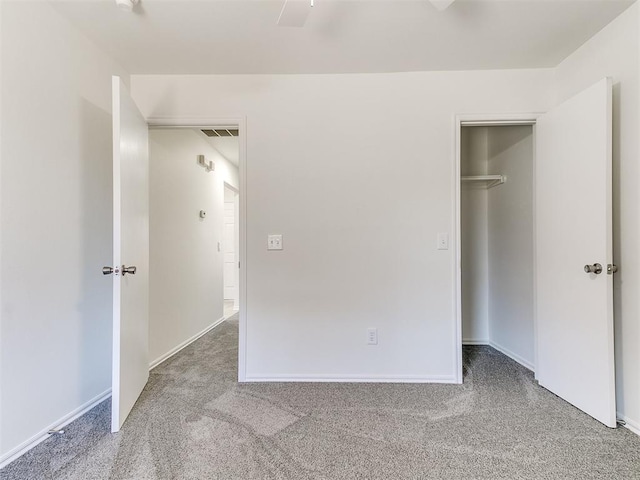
point(127, 5)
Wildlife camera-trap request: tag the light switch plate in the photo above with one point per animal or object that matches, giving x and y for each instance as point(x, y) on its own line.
point(443, 241)
point(274, 242)
point(372, 336)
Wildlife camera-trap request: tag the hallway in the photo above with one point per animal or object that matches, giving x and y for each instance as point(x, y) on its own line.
point(193, 421)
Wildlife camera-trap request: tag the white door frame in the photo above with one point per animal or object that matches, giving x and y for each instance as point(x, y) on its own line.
point(498, 120)
point(241, 122)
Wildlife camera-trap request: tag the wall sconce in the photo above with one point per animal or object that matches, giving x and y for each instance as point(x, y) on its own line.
point(208, 165)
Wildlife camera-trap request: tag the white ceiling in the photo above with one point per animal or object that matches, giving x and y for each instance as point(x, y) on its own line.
point(353, 36)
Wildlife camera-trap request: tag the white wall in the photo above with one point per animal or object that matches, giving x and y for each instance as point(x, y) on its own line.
point(614, 53)
point(510, 242)
point(186, 282)
point(473, 222)
point(359, 214)
point(56, 220)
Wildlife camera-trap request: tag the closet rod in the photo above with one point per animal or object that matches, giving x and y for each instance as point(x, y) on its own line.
point(492, 180)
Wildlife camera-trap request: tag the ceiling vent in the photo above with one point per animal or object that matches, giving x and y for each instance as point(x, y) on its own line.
point(221, 132)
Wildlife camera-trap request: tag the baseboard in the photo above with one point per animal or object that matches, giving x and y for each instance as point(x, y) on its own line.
point(630, 424)
point(469, 341)
point(184, 344)
point(352, 378)
point(513, 356)
point(41, 436)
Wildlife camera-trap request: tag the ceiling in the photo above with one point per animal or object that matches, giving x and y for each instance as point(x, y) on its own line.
point(352, 36)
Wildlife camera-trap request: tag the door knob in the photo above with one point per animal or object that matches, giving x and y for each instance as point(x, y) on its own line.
point(595, 268)
point(131, 270)
point(110, 270)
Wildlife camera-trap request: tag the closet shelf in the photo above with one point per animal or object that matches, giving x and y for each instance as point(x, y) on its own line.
point(486, 180)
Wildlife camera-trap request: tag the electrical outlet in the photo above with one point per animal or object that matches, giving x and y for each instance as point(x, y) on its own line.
point(274, 242)
point(443, 241)
point(372, 336)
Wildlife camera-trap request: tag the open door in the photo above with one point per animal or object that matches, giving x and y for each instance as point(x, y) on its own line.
point(130, 255)
point(574, 254)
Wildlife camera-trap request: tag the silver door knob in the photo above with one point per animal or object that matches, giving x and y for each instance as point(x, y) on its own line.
point(107, 270)
point(131, 270)
point(595, 268)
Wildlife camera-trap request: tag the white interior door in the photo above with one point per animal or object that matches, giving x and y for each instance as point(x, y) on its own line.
point(228, 243)
point(574, 308)
point(130, 249)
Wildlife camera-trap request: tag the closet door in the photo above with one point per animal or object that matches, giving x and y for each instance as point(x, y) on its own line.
point(574, 286)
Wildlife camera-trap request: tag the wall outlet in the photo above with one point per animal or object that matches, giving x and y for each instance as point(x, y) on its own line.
point(372, 336)
point(274, 242)
point(443, 241)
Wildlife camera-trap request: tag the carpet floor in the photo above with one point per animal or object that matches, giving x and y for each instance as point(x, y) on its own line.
point(193, 421)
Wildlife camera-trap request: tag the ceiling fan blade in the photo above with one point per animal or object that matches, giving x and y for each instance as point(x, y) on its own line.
point(441, 5)
point(294, 13)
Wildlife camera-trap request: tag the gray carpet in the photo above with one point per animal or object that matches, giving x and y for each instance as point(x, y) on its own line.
point(193, 421)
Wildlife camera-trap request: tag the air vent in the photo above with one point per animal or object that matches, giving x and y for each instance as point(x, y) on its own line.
point(221, 132)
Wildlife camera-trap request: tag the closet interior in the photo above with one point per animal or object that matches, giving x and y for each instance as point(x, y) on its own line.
point(496, 214)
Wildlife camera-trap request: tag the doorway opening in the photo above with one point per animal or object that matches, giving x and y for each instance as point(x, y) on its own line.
point(195, 229)
point(496, 291)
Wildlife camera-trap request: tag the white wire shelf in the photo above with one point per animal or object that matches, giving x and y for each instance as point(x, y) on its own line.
point(488, 181)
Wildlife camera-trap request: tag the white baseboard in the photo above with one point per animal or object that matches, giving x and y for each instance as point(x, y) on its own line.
point(184, 344)
point(513, 356)
point(352, 378)
point(470, 341)
point(630, 424)
point(41, 436)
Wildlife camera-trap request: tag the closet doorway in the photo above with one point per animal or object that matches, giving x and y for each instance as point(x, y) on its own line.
point(534, 263)
point(496, 228)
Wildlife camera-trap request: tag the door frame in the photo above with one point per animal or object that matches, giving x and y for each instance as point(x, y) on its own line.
point(241, 122)
point(497, 120)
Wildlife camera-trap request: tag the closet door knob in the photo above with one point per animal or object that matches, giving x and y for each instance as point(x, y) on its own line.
point(595, 268)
